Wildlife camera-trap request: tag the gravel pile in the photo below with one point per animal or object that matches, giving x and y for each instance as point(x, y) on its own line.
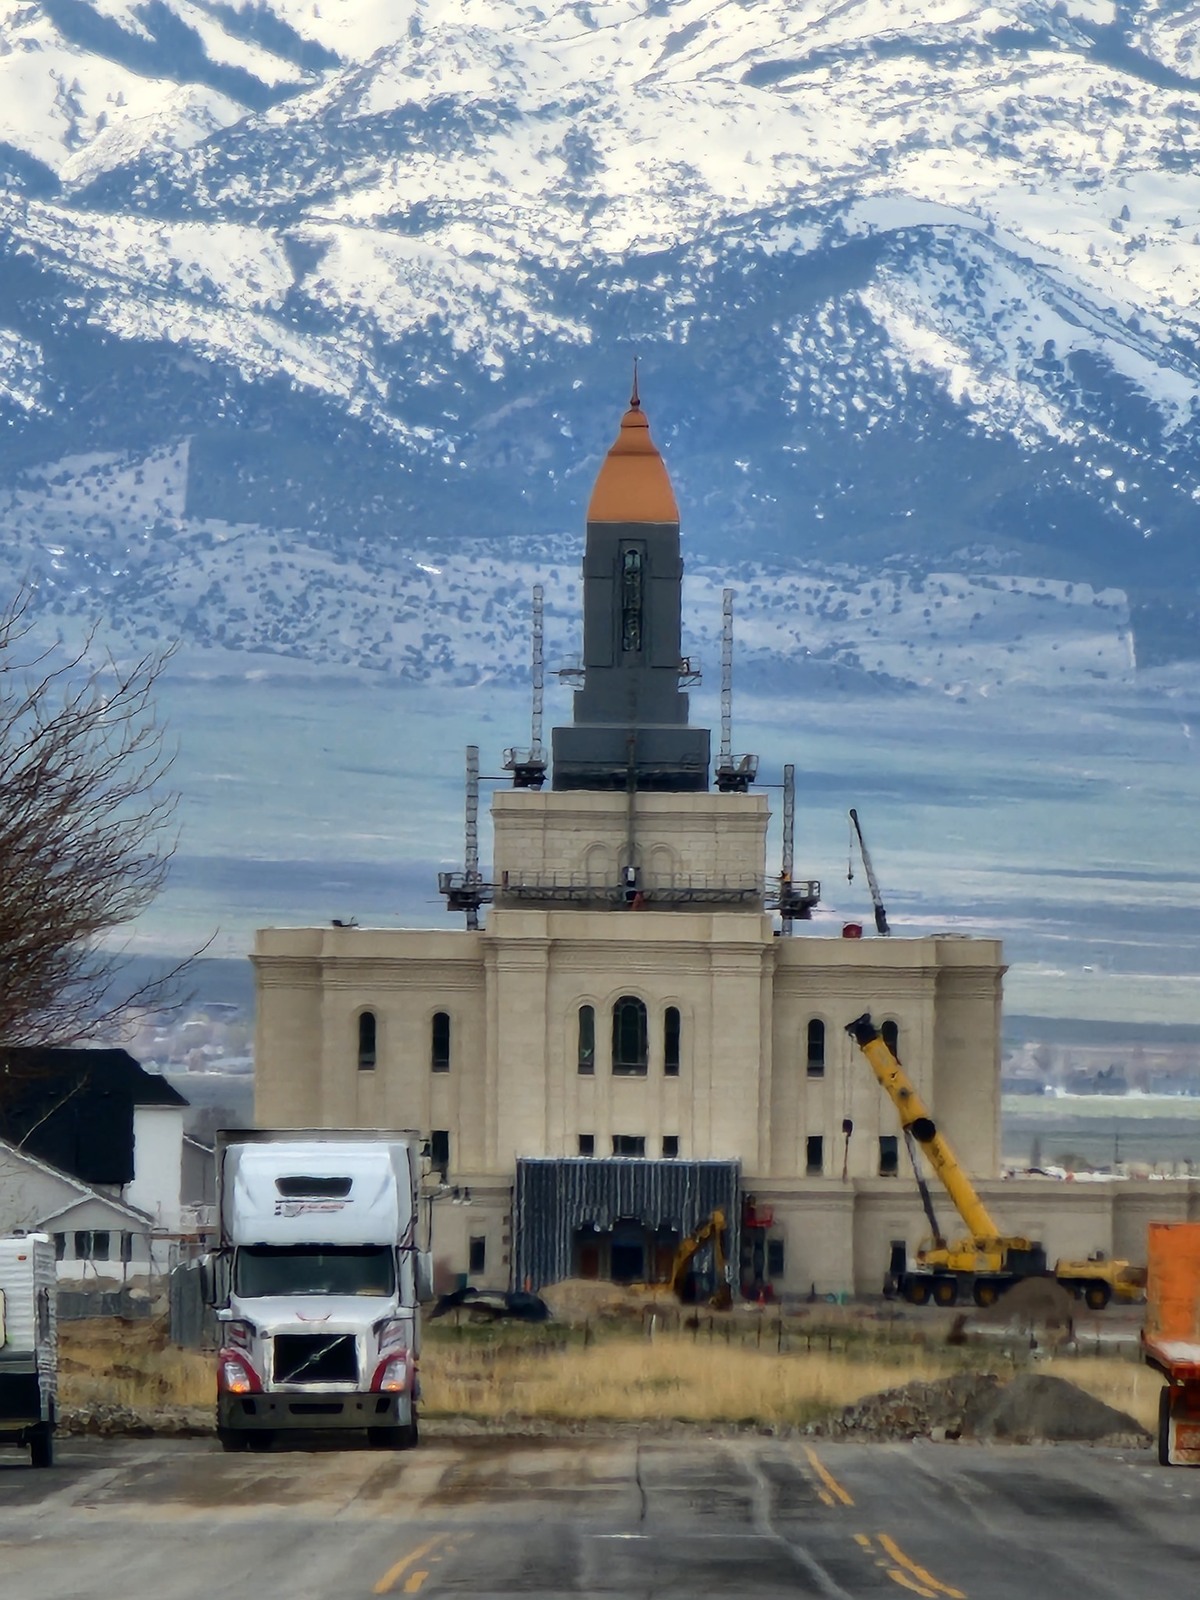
point(919, 1410)
point(113, 1421)
point(1029, 1409)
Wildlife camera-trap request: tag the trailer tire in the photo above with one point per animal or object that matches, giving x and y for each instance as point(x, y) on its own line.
point(945, 1291)
point(41, 1445)
point(1096, 1296)
point(1164, 1427)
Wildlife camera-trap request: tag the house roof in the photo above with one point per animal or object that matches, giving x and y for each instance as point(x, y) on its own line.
point(115, 1069)
point(80, 1193)
point(75, 1108)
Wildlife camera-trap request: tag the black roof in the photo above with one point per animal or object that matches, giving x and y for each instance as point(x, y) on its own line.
point(74, 1108)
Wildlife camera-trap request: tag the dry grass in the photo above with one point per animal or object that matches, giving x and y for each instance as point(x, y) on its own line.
point(514, 1373)
point(669, 1378)
point(115, 1362)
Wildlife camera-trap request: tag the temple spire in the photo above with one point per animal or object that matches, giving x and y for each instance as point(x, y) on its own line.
point(630, 726)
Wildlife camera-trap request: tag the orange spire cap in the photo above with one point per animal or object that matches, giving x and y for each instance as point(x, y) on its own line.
point(632, 485)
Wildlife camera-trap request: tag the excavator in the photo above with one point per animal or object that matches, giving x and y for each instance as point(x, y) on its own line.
point(984, 1262)
point(689, 1287)
point(711, 1231)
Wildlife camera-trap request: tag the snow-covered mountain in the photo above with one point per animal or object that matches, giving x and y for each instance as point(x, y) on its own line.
point(914, 283)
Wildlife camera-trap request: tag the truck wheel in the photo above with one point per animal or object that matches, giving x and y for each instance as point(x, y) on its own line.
point(404, 1438)
point(986, 1292)
point(945, 1291)
point(262, 1440)
point(1096, 1296)
point(1164, 1427)
point(41, 1446)
point(233, 1440)
point(916, 1291)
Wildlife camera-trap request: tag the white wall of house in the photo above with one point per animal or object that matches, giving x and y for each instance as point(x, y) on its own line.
point(157, 1164)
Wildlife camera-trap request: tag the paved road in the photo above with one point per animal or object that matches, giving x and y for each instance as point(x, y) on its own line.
point(675, 1517)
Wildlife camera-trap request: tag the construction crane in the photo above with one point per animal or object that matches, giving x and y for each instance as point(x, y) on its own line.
point(881, 921)
point(528, 767)
point(734, 774)
point(983, 1262)
point(793, 900)
point(466, 891)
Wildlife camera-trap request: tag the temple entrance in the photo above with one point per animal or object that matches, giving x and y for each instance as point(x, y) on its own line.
point(628, 1252)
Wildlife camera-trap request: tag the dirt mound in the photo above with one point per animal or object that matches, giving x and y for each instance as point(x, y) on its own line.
point(579, 1300)
point(1030, 1408)
point(920, 1410)
point(1034, 1406)
point(1032, 1303)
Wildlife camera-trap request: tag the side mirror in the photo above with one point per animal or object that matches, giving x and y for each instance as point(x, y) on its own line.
point(424, 1275)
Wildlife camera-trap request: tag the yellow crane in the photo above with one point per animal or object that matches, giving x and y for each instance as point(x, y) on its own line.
point(983, 1261)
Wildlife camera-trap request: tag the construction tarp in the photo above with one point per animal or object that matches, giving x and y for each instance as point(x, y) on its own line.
point(555, 1198)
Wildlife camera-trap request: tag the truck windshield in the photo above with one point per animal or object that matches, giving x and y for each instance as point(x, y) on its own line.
point(267, 1269)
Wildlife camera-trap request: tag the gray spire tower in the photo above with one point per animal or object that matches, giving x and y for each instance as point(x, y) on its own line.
point(630, 726)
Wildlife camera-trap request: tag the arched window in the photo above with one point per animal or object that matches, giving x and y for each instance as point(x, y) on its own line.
point(631, 598)
point(587, 1039)
point(366, 1041)
point(439, 1052)
point(890, 1034)
point(629, 1037)
point(671, 1042)
point(815, 1048)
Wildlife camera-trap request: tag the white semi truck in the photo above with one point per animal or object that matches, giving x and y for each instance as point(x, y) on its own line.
point(28, 1345)
point(317, 1285)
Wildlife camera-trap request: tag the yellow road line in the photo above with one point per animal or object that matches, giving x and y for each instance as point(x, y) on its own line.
point(827, 1477)
point(918, 1572)
point(414, 1581)
point(862, 1539)
point(906, 1582)
point(393, 1575)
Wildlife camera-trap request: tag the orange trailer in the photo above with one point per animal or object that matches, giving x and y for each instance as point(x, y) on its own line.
point(1171, 1337)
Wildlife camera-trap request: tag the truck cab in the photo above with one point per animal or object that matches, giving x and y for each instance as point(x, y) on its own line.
point(319, 1274)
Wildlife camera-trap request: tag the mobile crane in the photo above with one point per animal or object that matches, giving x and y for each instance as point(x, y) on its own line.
point(881, 921)
point(984, 1262)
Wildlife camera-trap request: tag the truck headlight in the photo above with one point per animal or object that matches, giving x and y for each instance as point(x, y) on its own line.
point(235, 1375)
point(393, 1374)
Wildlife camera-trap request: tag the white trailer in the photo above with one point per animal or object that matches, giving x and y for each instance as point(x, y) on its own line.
point(28, 1345)
point(320, 1285)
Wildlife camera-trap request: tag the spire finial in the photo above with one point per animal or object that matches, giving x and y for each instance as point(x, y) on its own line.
point(634, 403)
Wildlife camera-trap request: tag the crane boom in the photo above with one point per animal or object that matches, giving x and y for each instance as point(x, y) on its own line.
point(881, 921)
point(915, 1119)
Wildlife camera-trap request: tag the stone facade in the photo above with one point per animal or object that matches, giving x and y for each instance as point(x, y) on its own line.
point(738, 1077)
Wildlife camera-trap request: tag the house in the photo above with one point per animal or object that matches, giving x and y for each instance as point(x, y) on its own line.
point(93, 1151)
point(99, 1237)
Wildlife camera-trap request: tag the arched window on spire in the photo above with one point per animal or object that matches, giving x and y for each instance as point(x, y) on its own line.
point(631, 598)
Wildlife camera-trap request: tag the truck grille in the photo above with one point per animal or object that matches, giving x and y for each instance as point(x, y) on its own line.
point(316, 1358)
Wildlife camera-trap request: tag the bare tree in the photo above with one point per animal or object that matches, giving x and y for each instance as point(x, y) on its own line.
point(86, 831)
